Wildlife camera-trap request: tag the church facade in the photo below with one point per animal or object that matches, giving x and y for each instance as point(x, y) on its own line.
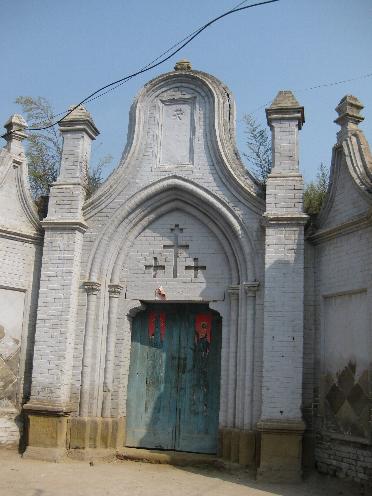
point(182, 307)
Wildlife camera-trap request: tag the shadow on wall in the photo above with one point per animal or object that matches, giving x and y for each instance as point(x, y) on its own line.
point(283, 314)
point(29, 352)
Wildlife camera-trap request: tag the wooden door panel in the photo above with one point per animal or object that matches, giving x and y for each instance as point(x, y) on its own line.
point(199, 388)
point(151, 411)
point(174, 379)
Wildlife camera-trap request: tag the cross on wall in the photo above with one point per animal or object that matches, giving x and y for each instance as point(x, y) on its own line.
point(196, 267)
point(155, 267)
point(176, 230)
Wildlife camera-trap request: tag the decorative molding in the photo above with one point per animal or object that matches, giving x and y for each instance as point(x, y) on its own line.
point(163, 136)
point(251, 288)
point(284, 174)
point(19, 164)
point(234, 291)
point(165, 195)
point(115, 290)
point(24, 194)
point(229, 166)
point(359, 161)
point(48, 408)
point(270, 218)
point(76, 225)
point(356, 152)
point(79, 120)
point(92, 287)
point(278, 425)
point(13, 288)
point(345, 293)
point(342, 229)
point(36, 238)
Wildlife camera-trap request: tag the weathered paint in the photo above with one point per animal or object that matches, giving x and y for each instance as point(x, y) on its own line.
point(173, 389)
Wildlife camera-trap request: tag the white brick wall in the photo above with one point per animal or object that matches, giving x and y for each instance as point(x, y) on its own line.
point(59, 280)
point(20, 253)
point(283, 309)
point(285, 145)
point(56, 314)
point(141, 167)
point(284, 272)
point(343, 330)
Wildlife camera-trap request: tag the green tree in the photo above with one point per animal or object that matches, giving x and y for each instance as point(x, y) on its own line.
point(258, 142)
point(315, 192)
point(44, 149)
point(259, 157)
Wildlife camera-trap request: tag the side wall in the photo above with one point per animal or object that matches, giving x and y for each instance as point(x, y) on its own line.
point(20, 258)
point(20, 267)
point(343, 299)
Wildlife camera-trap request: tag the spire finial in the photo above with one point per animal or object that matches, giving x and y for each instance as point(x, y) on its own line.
point(285, 106)
point(15, 133)
point(348, 115)
point(183, 65)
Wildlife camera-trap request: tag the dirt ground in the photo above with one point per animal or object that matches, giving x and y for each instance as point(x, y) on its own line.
point(21, 477)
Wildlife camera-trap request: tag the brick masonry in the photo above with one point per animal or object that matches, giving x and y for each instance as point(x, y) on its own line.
point(180, 184)
point(20, 253)
point(342, 300)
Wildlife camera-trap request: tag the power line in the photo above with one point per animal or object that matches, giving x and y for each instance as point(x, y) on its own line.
point(156, 59)
point(154, 63)
point(334, 83)
point(318, 86)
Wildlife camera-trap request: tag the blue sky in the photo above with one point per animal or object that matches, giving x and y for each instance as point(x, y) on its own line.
point(65, 50)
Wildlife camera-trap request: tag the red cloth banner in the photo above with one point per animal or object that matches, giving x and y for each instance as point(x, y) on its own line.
point(153, 316)
point(162, 325)
point(151, 324)
point(203, 327)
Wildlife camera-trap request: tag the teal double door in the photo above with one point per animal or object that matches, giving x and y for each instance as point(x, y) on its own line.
point(174, 378)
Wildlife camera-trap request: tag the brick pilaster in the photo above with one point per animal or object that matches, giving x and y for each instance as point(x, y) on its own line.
point(59, 281)
point(283, 304)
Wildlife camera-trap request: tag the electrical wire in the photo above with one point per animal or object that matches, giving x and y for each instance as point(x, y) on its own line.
point(318, 86)
point(144, 67)
point(156, 59)
point(154, 63)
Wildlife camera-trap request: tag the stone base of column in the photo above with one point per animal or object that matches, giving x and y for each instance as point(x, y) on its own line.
point(46, 437)
point(238, 446)
point(280, 450)
point(96, 433)
point(52, 436)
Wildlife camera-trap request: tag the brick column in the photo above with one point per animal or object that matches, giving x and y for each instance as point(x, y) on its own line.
point(281, 424)
point(114, 294)
point(64, 227)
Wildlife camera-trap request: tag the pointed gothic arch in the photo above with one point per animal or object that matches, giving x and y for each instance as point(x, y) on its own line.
point(155, 200)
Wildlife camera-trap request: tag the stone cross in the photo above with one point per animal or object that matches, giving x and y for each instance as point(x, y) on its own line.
point(196, 267)
point(176, 246)
point(155, 267)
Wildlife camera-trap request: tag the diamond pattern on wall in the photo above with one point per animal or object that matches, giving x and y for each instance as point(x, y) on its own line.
point(347, 404)
point(346, 380)
point(335, 398)
point(357, 399)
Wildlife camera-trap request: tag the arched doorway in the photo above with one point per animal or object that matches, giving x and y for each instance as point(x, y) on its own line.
point(174, 378)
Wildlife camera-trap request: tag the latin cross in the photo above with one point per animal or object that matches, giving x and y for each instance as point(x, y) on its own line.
point(155, 267)
point(196, 267)
point(176, 230)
